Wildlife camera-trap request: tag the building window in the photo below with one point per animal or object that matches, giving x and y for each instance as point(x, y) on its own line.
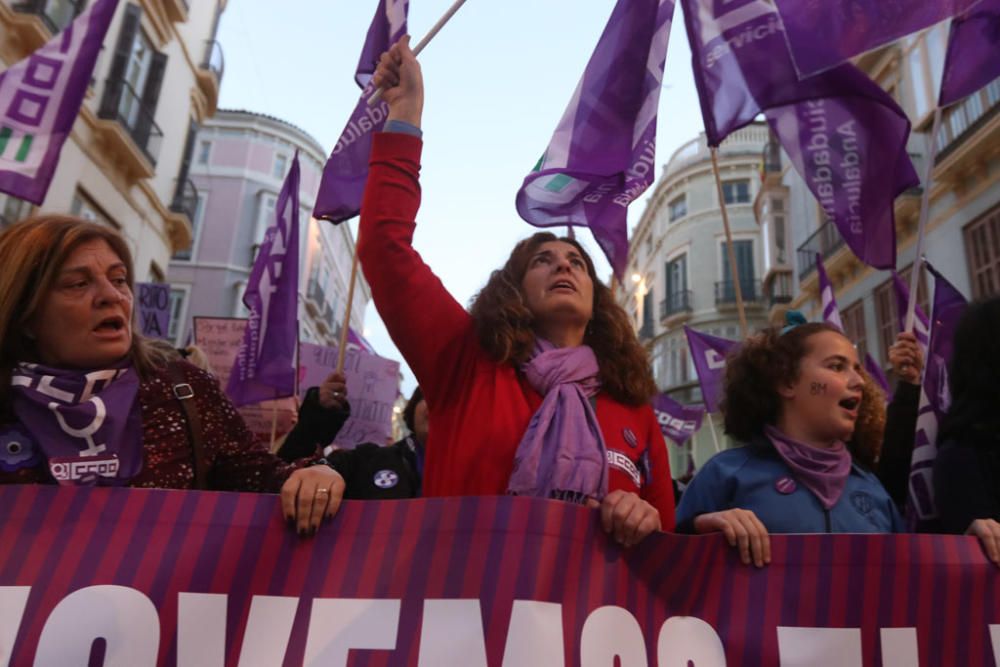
point(204, 152)
point(677, 362)
point(13, 209)
point(745, 267)
point(982, 250)
point(736, 192)
point(676, 298)
point(177, 298)
point(678, 208)
point(280, 164)
point(196, 222)
point(887, 309)
point(85, 207)
point(853, 318)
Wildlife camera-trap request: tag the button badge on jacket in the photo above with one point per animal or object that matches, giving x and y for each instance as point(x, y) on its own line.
point(386, 479)
point(786, 486)
point(630, 438)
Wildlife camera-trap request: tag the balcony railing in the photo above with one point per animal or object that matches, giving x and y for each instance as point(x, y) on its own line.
point(676, 302)
point(214, 60)
point(725, 292)
point(771, 157)
point(185, 199)
point(777, 294)
point(55, 14)
point(315, 293)
point(646, 330)
point(135, 117)
point(826, 240)
point(963, 119)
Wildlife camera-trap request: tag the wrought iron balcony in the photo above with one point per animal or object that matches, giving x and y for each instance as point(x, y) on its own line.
point(826, 240)
point(214, 61)
point(725, 292)
point(135, 117)
point(646, 331)
point(185, 199)
point(771, 157)
point(676, 302)
point(55, 14)
point(963, 119)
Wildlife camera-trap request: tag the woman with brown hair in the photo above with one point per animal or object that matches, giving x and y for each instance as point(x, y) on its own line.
point(542, 389)
point(85, 400)
point(811, 423)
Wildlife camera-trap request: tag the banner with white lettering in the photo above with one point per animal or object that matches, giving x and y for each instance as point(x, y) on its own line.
point(142, 577)
point(153, 309)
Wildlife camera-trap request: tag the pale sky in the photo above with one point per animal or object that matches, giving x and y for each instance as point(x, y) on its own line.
point(497, 78)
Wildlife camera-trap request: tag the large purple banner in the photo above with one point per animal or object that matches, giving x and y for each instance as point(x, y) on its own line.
point(143, 577)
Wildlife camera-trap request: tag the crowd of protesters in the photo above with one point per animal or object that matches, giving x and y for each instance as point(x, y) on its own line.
point(540, 388)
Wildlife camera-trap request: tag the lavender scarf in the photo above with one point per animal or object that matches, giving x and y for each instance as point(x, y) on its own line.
point(822, 471)
point(562, 454)
point(87, 424)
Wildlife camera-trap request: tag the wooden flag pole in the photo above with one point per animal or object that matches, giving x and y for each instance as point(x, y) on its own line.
point(925, 206)
point(377, 95)
point(715, 438)
point(274, 422)
point(730, 251)
point(342, 346)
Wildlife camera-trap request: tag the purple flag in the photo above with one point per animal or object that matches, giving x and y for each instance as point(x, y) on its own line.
point(824, 33)
point(345, 173)
point(973, 58)
point(831, 314)
point(265, 367)
point(921, 323)
point(844, 134)
point(153, 309)
point(877, 374)
point(677, 422)
point(935, 398)
point(40, 98)
point(359, 341)
point(602, 154)
point(709, 354)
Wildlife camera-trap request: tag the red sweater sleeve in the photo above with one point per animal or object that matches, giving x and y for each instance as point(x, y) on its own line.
point(428, 326)
point(659, 490)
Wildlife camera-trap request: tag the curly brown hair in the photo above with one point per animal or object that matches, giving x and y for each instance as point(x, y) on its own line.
point(505, 325)
point(769, 359)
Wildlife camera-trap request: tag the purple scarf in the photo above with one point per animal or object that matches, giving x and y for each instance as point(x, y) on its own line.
point(562, 454)
point(822, 471)
point(87, 424)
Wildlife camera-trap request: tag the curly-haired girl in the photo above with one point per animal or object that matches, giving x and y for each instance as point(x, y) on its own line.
point(811, 422)
point(542, 389)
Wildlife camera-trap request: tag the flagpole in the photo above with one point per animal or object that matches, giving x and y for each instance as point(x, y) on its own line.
point(730, 251)
point(715, 437)
point(274, 422)
point(377, 95)
point(925, 197)
point(342, 346)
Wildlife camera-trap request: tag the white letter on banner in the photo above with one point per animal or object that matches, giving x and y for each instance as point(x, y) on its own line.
point(452, 634)
point(995, 640)
point(201, 629)
point(338, 625)
point(900, 648)
point(819, 647)
point(12, 602)
point(125, 618)
point(269, 626)
point(535, 635)
point(612, 632)
point(685, 640)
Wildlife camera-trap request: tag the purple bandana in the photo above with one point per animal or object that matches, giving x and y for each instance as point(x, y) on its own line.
point(822, 471)
point(88, 425)
point(562, 454)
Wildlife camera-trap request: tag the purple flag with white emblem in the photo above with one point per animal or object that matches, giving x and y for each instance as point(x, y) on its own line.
point(921, 323)
point(602, 154)
point(844, 134)
point(266, 364)
point(346, 170)
point(709, 355)
point(935, 398)
point(831, 314)
point(973, 58)
point(40, 98)
point(877, 374)
point(824, 33)
point(677, 422)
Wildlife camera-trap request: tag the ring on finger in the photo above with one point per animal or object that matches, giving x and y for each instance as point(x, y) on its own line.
point(322, 492)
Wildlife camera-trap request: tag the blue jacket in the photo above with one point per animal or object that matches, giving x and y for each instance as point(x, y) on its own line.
point(754, 477)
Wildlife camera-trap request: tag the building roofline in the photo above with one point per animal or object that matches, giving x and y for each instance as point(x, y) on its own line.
point(221, 114)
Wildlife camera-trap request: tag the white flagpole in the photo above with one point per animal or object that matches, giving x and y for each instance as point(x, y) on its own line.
point(715, 437)
point(374, 99)
point(924, 215)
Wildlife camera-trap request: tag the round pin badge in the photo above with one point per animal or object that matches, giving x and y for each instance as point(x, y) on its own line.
point(386, 479)
point(630, 438)
point(785, 485)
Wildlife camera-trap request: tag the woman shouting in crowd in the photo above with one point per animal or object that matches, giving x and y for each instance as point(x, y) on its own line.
point(542, 388)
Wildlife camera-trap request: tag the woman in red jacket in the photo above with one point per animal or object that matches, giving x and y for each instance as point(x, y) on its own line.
point(542, 389)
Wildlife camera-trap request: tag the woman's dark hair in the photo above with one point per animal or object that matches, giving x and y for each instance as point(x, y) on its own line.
point(973, 372)
point(411, 408)
point(504, 325)
point(770, 359)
